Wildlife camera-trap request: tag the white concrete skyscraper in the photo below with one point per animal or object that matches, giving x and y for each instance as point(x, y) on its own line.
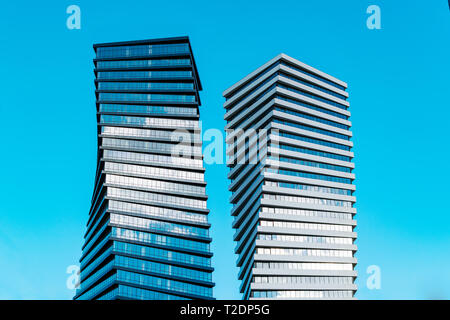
point(293, 203)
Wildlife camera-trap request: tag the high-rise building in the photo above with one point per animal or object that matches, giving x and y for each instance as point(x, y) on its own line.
point(147, 233)
point(289, 152)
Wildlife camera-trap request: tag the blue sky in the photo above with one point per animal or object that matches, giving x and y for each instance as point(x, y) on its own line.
point(398, 80)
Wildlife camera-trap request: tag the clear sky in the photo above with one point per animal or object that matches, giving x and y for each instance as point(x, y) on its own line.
point(398, 79)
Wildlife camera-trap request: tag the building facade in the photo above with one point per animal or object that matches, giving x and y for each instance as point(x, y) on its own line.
point(147, 233)
point(289, 152)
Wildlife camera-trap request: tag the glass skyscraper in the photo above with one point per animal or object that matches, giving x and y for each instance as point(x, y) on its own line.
point(147, 233)
point(289, 152)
